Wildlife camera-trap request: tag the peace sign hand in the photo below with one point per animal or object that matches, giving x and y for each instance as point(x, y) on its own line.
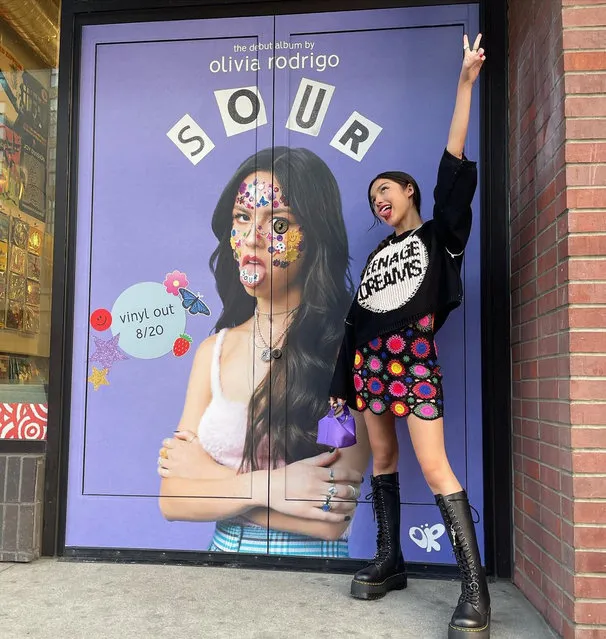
point(473, 60)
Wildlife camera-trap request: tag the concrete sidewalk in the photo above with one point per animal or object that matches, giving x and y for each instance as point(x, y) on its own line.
point(51, 599)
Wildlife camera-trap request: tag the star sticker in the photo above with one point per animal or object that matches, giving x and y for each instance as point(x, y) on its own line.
point(107, 351)
point(98, 378)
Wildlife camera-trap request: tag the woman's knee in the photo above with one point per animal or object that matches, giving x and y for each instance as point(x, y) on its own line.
point(436, 472)
point(385, 457)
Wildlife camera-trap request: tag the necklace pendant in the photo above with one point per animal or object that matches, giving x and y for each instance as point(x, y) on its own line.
point(276, 353)
point(266, 355)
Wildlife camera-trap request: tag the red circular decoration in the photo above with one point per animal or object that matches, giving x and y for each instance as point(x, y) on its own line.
point(101, 319)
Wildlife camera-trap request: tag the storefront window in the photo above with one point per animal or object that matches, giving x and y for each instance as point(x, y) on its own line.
point(28, 103)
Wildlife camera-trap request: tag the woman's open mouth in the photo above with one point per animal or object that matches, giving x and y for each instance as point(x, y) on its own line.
point(384, 211)
point(252, 271)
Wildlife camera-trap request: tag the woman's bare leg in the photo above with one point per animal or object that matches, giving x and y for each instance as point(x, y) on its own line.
point(383, 442)
point(428, 442)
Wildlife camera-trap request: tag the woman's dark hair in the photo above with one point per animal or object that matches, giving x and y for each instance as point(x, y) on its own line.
point(403, 179)
point(285, 408)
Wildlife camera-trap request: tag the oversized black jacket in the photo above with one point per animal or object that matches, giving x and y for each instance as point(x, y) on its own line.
point(413, 274)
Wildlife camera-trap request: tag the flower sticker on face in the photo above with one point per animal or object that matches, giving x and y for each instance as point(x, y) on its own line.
point(259, 193)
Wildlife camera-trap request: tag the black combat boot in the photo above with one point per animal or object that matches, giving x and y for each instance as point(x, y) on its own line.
point(472, 614)
point(387, 570)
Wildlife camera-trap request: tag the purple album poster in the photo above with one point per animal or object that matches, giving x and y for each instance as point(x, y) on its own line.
point(182, 127)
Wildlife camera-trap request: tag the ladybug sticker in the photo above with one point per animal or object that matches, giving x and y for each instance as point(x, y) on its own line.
point(181, 345)
point(101, 319)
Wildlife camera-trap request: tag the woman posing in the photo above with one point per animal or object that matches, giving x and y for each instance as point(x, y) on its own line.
point(388, 366)
point(281, 269)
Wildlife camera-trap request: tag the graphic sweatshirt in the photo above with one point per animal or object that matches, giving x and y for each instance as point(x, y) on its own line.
point(413, 274)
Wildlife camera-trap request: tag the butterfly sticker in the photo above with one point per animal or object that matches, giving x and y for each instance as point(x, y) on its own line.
point(193, 303)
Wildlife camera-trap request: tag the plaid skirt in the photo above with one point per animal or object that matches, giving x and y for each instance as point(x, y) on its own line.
point(232, 537)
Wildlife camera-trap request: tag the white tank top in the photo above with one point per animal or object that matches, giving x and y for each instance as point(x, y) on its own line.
point(222, 428)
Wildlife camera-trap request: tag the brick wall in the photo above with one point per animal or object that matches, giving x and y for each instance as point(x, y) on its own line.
point(558, 280)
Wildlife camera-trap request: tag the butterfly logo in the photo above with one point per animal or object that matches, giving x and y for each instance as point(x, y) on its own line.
point(426, 537)
point(193, 303)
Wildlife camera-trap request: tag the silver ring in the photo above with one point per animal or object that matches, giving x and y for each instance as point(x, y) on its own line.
point(332, 491)
point(466, 47)
point(326, 507)
point(354, 491)
point(331, 474)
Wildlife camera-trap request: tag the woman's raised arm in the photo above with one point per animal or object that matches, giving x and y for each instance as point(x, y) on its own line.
point(472, 63)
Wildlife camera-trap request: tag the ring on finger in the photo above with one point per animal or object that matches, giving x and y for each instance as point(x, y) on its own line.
point(326, 506)
point(332, 491)
point(331, 474)
point(163, 453)
point(355, 492)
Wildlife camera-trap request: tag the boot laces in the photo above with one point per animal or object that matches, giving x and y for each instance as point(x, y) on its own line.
point(383, 541)
point(470, 582)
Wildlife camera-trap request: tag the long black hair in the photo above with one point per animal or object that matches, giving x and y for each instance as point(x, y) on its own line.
point(285, 408)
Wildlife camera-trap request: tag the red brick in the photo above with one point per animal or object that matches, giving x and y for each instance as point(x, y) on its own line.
point(568, 509)
point(550, 455)
point(580, 269)
point(554, 411)
point(549, 345)
point(531, 468)
point(585, 151)
point(550, 477)
point(586, 129)
point(587, 633)
point(548, 389)
point(584, 39)
point(585, 82)
point(592, 537)
point(588, 365)
point(547, 281)
point(581, 342)
point(588, 389)
point(586, 245)
point(590, 561)
point(531, 508)
point(553, 592)
point(590, 462)
point(585, 106)
point(586, 222)
point(588, 512)
point(589, 437)
point(590, 587)
point(551, 522)
point(548, 260)
point(587, 317)
point(584, 16)
point(590, 613)
point(587, 198)
point(587, 487)
point(587, 293)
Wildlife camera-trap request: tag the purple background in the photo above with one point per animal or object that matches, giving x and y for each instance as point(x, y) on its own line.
point(151, 213)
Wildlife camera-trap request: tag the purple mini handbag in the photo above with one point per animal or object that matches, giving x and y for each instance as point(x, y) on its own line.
point(337, 431)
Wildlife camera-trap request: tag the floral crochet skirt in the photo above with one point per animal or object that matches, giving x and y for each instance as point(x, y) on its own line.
point(399, 372)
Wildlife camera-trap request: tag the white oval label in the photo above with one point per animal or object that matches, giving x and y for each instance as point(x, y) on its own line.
point(393, 276)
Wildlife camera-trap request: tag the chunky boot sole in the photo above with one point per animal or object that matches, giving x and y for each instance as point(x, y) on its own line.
point(368, 590)
point(455, 632)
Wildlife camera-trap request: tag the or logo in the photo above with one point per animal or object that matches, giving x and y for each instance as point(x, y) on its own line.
point(426, 536)
point(393, 276)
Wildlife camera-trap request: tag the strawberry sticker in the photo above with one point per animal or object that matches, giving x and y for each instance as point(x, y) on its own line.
point(181, 345)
